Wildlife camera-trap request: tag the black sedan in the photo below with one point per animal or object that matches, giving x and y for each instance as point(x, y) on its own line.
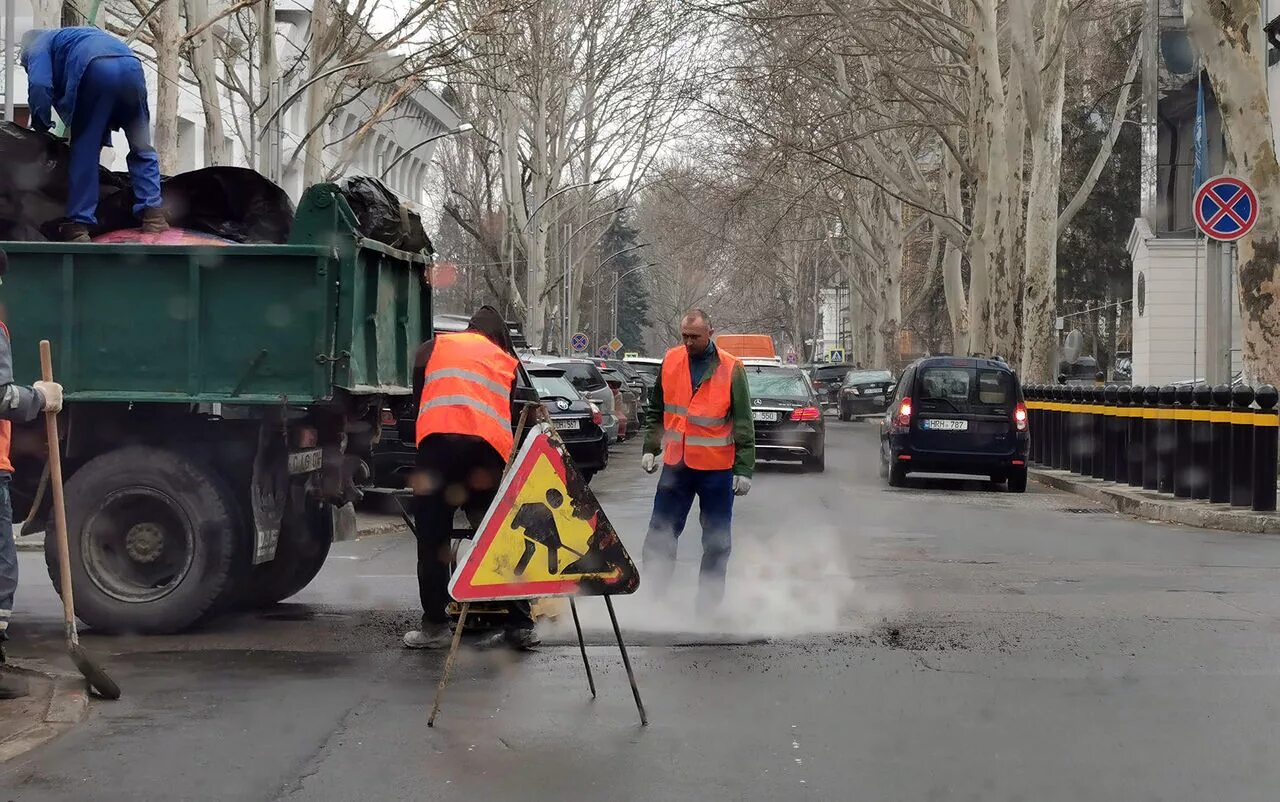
point(865, 392)
point(787, 415)
point(576, 419)
point(827, 379)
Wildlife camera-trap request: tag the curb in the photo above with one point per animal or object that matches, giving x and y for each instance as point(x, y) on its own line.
point(1154, 506)
point(68, 705)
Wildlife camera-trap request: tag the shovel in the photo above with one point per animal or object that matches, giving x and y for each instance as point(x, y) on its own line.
point(99, 682)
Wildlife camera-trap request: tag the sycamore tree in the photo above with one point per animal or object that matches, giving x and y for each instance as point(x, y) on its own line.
point(1226, 32)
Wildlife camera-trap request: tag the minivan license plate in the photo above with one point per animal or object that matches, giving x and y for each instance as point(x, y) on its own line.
point(941, 425)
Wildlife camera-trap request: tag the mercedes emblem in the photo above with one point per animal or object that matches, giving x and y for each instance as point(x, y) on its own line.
point(562, 403)
point(757, 401)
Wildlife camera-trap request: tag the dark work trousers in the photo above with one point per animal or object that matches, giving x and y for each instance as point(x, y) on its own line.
point(462, 471)
point(677, 488)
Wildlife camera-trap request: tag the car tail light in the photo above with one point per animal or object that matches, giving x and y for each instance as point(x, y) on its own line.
point(806, 413)
point(1020, 416)
point(903, 416)
point(596, 417)
point(388, 417)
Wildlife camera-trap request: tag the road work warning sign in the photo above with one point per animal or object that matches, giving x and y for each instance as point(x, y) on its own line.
point(544, 535)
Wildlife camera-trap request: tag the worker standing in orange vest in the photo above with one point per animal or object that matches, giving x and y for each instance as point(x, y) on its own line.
point(23, 404)
point(700, 423)
point(464, 384)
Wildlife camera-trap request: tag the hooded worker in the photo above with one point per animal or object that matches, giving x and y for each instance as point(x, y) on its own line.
point(97, 85)
point(465, 386)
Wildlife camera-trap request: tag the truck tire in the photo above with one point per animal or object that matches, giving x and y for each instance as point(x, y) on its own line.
point(303, 547)
point(155, 541)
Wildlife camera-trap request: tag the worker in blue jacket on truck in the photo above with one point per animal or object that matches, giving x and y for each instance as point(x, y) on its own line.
point(97, 85)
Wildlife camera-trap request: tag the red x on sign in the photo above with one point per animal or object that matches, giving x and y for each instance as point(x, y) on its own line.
point(1226, 208)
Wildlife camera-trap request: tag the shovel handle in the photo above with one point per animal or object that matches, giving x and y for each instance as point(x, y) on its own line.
point(59, 507)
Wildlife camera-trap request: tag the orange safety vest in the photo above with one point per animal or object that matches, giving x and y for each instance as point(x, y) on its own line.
point(698, 427)
point(6, 427)
point(467, 390)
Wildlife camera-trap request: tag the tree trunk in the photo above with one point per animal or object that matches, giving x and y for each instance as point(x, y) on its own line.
point(319, 94)
point(952, 261)
point(268, 71)
point(1006, 290)
point(1040, 269)
point(890, 312)
point(1227, 34)
point(165, 29)
point(205, 68)
point(990, 209)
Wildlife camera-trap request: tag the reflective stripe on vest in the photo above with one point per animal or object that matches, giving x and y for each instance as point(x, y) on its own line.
point(6, 427)
point(467, 390)
point(698, 426)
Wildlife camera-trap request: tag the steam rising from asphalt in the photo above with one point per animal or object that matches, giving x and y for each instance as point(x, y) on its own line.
point(791, 584)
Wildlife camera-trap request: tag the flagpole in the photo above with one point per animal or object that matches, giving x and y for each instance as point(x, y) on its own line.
point(1197, 178)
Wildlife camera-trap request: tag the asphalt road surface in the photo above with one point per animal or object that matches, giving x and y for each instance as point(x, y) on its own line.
point(943, 641)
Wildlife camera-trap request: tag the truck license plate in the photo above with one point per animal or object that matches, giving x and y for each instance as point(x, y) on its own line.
point(764, 416)
point(940, 425)
point(305, 461)
point(569, 425)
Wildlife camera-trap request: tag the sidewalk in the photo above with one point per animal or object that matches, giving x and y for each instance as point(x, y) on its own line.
point(1159, 506)
point(55, 703)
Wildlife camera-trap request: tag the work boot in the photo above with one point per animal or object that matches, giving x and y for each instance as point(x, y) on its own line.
point(71, 231)
point(431, 636)
point(519, 639)
point(153, 221)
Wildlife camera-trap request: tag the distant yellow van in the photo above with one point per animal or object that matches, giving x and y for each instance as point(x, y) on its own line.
point(747, 346)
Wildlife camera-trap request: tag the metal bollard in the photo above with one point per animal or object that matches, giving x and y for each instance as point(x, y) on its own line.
point(1165, 439)
point(1110, 414)
point(1182, 442)
point(1075, 443)
point(1134, 447)
point(1098, 467)
point(1061, 460)
point(1241, 446)
point(1150, 437)
point(1220, 446)
point(1120, 438)
point(1264, 449)
point(1201, 437)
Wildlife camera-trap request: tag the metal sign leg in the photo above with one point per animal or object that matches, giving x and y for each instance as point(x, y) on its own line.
point(448, 662)
point(582, 646)
point(626, 661)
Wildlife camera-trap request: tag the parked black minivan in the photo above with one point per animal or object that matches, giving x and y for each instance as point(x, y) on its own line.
point(956, 415)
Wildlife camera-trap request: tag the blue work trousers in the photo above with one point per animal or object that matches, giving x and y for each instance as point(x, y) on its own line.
point(677, 487)
point(112, 95)
point(8, 557)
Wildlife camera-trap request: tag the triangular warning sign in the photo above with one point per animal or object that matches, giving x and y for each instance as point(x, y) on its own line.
point(544, 535)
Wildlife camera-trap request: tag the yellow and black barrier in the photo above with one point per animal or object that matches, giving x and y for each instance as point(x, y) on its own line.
point(1217, 444)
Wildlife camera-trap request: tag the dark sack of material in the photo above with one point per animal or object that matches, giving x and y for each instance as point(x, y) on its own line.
point(34, 183)
point(382, 216)
point(233, 203)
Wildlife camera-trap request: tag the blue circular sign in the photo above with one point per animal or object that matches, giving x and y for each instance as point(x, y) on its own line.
point(579, 341)
point(605, 352)
point(1226, 208)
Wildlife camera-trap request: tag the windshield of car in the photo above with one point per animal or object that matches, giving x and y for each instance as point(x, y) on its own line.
point(553, 385)
point(582, 375)
point(647, 368)
point(774, 383)
point(624, 368)
point(868, 376)
point(963, 389)
point(826, 373)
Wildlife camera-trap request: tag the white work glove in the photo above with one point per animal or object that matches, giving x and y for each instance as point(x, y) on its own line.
point(741, 485)
point(649, 463)
point(51, 392)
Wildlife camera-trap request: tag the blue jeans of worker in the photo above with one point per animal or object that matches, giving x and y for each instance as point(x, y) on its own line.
point(677, 487)
point(8, 556)
point(112, 95)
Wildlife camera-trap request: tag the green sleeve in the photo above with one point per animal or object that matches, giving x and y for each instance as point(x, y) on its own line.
point(744, 428)
point(653, 419)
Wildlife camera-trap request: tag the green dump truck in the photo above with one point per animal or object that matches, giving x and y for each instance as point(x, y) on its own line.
point(221, 405)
